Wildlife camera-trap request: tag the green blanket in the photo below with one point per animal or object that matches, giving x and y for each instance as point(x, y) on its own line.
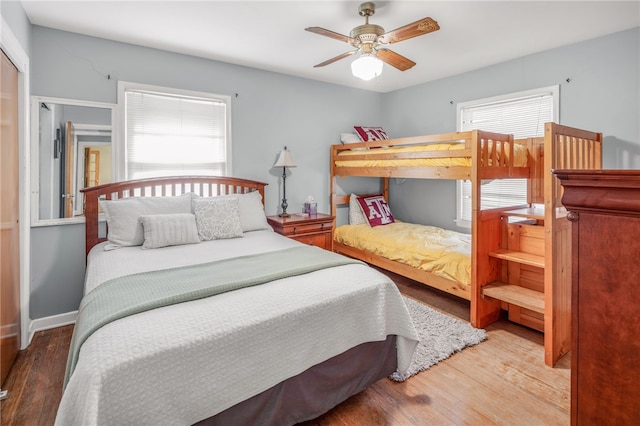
point(132, 294)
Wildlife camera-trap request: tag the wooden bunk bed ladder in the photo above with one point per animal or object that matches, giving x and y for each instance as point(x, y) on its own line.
point(533, 260)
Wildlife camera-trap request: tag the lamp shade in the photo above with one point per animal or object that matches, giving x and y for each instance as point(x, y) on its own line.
point(366, 67)
point(284, 159)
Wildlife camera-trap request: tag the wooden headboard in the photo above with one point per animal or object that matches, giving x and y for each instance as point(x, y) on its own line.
point(205, 186)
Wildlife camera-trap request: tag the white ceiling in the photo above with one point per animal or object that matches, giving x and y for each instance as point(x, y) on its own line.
point(270, 35)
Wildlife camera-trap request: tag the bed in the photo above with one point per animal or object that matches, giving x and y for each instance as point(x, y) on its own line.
point(283, 347)
point(441, 253)
point(542, 290)
point(472, 155)
point(459, 155)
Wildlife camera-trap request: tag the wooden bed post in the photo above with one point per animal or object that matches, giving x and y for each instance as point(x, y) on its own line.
point(385, 188)
point(565, 148)
point(333, 201)
point(332, 187)
point(485, 237)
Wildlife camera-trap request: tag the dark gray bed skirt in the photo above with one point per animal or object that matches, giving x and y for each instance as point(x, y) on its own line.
point(316, 390)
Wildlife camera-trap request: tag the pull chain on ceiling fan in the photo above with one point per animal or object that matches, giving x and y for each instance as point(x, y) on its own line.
point(368, 38)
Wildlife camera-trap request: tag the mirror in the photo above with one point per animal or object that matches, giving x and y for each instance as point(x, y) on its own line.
point(71, 148)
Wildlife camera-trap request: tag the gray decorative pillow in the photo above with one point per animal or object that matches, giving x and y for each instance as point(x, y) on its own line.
point(252, 217)
point(217, 217)
point(162, 230)
point(124, 227)
point(356, 215)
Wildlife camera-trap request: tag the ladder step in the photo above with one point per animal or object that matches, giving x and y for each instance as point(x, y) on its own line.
point(531, 212)
point(515, 295)
point(520, 257)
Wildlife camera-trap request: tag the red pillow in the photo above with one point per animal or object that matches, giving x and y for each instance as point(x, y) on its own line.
point(371, 133)
point(376, 210)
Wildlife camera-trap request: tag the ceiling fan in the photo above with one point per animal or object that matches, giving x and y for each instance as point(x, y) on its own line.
point(368, 39)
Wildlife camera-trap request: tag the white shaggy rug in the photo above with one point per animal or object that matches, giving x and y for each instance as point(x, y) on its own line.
point(440, 337)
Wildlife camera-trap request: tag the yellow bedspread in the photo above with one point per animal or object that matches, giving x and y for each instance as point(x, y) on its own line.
point(520, 151)
point(439, 251)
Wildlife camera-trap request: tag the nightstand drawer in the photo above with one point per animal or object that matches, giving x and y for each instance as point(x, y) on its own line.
point(306, 228)
point(318, 240)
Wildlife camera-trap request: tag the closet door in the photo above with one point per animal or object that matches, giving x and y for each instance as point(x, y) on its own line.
point(9, 227)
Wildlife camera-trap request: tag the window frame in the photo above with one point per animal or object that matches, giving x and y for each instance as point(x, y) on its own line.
point(555, 93)
point(120, 143)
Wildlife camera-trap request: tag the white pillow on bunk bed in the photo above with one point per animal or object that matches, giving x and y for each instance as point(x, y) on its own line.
point(356, 215)
point(217, 217)
point(347, 138)
point(163, 230)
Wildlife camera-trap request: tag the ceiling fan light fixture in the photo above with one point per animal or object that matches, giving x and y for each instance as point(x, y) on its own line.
point(366, 67)
point(370, 40)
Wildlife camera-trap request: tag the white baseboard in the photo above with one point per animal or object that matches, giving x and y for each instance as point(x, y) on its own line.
point(53, 321)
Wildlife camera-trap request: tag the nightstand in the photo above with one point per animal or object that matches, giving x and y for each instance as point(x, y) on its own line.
point(313, 230)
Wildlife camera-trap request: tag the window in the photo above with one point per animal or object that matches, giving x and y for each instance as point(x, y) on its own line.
point(522, 114)
point(169, 132)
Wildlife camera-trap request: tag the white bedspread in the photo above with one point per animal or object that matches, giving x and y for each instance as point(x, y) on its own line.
point(183, 363)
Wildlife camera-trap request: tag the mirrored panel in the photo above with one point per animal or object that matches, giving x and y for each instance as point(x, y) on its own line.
point(71, 149)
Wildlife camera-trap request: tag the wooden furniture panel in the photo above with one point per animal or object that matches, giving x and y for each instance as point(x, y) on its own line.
point(521, 288)
point(9, 219)
point(604, 207)
point(313, 230)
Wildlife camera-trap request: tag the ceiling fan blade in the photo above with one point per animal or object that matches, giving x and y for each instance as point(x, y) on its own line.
point(423, 26)
point(394, 59)
point(337, 58)
point(331, 34)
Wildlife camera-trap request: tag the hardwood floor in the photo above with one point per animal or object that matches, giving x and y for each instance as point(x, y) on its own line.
point(35, 380)
point(502, 381)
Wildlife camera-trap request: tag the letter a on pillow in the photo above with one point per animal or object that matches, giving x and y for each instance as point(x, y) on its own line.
point(376, 210)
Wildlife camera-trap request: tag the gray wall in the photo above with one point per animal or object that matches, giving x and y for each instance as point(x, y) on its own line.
point(269, 111)
point(14, 15)
point(602, 95)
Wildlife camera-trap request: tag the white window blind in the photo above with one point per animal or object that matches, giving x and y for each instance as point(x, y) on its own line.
point(169, 134)
point(522, 114)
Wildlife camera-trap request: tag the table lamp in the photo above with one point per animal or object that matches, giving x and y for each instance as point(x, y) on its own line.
point(284, 160)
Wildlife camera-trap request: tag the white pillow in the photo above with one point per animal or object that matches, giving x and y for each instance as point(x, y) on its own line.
point(124, 228)
point(252, 216)
point(347, 138)
point(162, 230)
point(356, 215)
point(217, 217)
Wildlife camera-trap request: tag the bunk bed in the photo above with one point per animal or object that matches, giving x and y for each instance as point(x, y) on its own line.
point(519, 255)
point(286, 347)
point(472, 155)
